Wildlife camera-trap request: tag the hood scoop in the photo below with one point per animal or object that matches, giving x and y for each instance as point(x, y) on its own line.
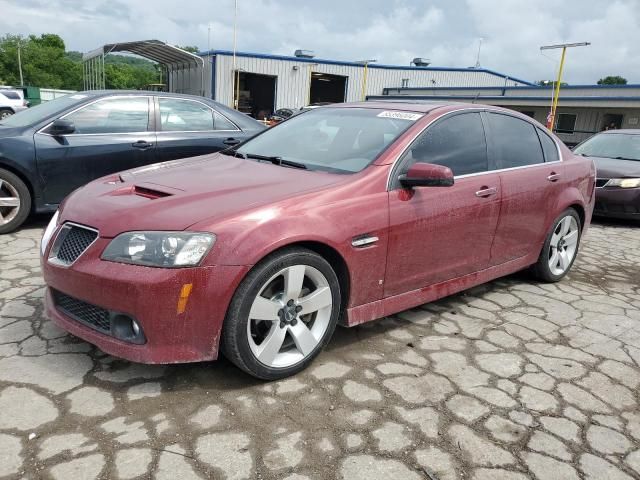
point(149, 193)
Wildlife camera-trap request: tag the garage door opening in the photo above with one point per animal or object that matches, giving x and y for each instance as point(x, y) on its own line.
point(327, 88)
point(256, 95)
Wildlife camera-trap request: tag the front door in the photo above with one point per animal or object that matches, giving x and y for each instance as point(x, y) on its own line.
point(440, 233)
point(111, 134)
point(188, 128)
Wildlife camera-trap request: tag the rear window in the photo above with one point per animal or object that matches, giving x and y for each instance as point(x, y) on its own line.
point(11, 95)
point(515, 142)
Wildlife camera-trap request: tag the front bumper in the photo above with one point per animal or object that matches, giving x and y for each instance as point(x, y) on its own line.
point(618, 202)
point(150, 296)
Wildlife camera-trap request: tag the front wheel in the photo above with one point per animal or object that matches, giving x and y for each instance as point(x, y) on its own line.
point(15, 201)
point(560, 247)
point(282, 315)
point(5, 113)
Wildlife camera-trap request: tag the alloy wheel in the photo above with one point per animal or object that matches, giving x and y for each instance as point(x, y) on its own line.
point(563, 245)
point(5, 114)
point(290, 316)
point(9, 202)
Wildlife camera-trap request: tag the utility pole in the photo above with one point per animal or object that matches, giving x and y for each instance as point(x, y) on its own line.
point(551, 119)
point(20, 64)
point(478, 56)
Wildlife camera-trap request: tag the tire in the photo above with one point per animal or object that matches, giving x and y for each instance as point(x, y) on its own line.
point(5, 112)
point(560, 248)
point(296, 325)
point(15, 201)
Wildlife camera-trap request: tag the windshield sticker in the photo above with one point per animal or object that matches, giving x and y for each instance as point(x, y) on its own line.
point(78, 97)
point(400, 115)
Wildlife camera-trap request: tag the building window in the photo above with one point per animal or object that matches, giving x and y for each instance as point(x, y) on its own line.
point(529, 113)
point(566, 122)
point(405, 82)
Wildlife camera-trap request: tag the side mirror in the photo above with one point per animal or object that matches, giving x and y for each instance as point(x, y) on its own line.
point(61, 127)
point(427, 175)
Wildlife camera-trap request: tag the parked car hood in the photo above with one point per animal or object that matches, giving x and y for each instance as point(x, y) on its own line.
point(616, 168)
point(6, 132)
point(177, 194)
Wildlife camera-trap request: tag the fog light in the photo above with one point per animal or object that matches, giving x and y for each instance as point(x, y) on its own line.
point(127, 329)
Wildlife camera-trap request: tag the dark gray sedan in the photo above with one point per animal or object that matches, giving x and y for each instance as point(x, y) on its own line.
point(50, 150)
point(616, 154)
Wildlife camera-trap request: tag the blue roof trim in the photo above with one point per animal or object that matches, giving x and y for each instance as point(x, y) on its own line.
point(494, 97)
point(530, 87)
point(355, 64)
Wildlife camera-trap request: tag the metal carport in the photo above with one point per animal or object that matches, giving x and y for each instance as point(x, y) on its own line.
point(184, 70)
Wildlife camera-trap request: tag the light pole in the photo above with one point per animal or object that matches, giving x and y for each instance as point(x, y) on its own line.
point(365, 75)
point(235, 27)
point(554, 106)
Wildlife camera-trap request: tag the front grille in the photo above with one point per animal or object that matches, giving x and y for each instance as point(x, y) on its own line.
point(95, 317)
point(72, 241)
point(601, 182)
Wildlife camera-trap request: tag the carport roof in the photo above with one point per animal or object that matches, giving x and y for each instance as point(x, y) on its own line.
point(152, 49)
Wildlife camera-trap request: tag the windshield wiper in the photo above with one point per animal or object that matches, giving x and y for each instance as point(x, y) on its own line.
point(233, 153)
point(277, 160)
point(626, 158)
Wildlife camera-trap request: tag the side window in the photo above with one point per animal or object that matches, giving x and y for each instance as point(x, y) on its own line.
point(515, 142)
point(220, 122)
point(548, 147)
point(457, 142)
point(184, 116)
point(112, 115)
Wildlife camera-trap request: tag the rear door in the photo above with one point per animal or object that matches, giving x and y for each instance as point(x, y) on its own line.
point(187, 128)
point(111, 134)
point(530, 185)
point(440, 233)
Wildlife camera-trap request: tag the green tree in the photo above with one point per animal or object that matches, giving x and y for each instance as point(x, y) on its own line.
point(612, 80)
point(46, 64)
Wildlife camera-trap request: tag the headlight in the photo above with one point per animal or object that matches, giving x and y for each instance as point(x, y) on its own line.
point(159, 249)
point(624, 182)
point(48, 232)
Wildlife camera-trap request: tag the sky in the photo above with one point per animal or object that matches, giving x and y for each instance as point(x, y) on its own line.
point(447, 32)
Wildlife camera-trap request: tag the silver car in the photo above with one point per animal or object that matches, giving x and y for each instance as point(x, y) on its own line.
point(11, 101)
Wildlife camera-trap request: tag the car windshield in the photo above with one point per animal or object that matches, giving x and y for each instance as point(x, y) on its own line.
point(341, 140)
point(611, 145)
point(40, 112)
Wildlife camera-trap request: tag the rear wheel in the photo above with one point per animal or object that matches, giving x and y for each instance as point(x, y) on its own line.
point(560, 247)
point(5, 112)
point(282, 315)
point(15, 201)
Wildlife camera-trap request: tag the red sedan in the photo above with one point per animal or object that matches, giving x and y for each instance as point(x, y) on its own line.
point(343, 214)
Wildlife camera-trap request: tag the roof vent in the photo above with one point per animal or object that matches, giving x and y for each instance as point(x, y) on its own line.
point(304, 54)
point(421, 62)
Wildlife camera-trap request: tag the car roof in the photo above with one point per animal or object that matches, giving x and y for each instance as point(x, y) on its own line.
point(104, 93)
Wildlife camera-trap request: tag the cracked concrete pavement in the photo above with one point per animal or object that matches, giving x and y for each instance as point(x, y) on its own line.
point(507, 381)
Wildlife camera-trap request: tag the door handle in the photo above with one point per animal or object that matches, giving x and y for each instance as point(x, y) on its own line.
point(231, 141)
point(485, 192)
point(142, 144)
point(553, 177)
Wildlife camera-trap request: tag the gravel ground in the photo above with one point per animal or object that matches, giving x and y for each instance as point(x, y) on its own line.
point(510, 380)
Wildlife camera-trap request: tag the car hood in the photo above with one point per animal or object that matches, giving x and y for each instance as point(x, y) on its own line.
point(6, 132)
point(615, 168)
point(177, 194)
